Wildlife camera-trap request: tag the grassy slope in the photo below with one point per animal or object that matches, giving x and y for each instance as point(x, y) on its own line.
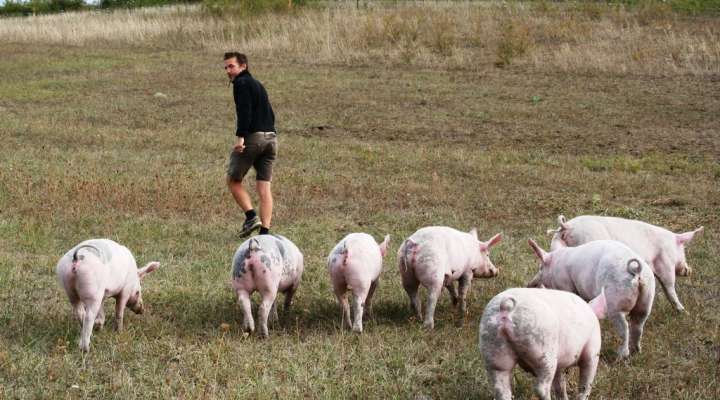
point(90, 151)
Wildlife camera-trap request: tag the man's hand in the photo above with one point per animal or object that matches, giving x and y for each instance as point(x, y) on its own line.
point(239, 145)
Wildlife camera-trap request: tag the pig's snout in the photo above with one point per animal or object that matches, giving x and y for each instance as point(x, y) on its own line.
point(490, 272)
point(683, 270)
point(138, 308)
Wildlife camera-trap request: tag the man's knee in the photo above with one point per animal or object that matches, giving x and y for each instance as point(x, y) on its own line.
point(263, 188)
point(233, 181)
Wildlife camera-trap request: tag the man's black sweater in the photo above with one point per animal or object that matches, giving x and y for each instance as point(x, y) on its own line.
point(254, 112)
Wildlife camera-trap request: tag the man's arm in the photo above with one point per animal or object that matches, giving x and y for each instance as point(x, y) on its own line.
point(243, 108)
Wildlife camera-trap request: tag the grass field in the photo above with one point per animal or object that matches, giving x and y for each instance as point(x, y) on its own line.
point(128, 139)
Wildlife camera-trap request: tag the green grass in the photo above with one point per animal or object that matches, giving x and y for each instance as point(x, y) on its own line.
point(90, 151)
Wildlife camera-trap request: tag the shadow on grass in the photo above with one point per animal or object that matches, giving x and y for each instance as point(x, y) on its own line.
point(192, 314)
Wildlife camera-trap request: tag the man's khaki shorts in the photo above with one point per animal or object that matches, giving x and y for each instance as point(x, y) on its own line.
point(260, 152)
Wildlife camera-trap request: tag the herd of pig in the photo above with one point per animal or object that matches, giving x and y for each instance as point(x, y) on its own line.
point(609, 262)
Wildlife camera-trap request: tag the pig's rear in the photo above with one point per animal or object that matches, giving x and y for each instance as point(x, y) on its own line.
point(532, 325)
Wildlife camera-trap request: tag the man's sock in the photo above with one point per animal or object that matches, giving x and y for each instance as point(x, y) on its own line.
point(264, 230)
point(250, 214)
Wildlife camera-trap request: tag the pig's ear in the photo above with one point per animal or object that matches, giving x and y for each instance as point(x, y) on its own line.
point(492, 242)
point(150, 267)
point(540, 253)
point(599, 305)
point(562, 222)
point(253, 245)
point(384, 245)
point(473, 233)
point(682, 238)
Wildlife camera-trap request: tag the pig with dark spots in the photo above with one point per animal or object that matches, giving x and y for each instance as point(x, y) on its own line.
point(355, 263)
point(439, 256)
point(268, 264)
point(603, 265)
point(545, 331)
point(94, 270)
point(662, 249)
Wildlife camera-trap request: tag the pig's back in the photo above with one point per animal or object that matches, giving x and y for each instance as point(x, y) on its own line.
point(442, 244)
point(642, 237)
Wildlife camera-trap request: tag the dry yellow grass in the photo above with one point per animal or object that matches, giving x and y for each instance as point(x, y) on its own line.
point(464, 36)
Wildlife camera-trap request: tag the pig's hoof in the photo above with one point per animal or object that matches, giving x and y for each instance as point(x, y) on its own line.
point(429, 325)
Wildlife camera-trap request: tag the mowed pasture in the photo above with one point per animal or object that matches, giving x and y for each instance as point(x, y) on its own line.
point(128, 139)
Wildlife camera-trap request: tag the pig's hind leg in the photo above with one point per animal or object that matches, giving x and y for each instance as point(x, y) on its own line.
point(359, 297)
point(411, 286)
point(619, 320)
point(500, 379)
point(368, 301)
point(666, 275)
point(434, 292)
point(588, 364)
point(248, 324)
point(340, 289)
point(91, 310)
point(558, 385)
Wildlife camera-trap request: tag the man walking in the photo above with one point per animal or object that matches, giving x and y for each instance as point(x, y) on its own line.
point(256, 143)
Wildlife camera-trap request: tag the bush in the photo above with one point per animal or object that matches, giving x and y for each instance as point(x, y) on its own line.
point(140, 3)
point(515, 41)
point(17, 7)
point(240, 8)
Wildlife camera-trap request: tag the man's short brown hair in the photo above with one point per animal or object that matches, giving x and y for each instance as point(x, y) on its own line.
point(240, 57)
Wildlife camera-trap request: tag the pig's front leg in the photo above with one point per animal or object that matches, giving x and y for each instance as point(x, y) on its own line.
point(248, 322)
point(91, 309)
point(274, 318)
point(558, 386)
point(619, 320)
point(289, 294)
point(433, 296)
point(464, 283)
point(120, 303)
point(100, 319)
point(452, 289)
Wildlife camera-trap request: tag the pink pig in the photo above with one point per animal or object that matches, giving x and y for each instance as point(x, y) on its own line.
point(96, 269)
point(545, 331)
point(663, 250)
point(603, 265)
point(356, 263)
point(437, 256)
point(268, 264)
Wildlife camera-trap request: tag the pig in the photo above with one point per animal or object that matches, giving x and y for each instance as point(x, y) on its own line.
point(268, 264)
point(603, 265)
point(355, 263)
point(94, 270)
point(437, 256)
point(663, 250)
point(545, 331)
